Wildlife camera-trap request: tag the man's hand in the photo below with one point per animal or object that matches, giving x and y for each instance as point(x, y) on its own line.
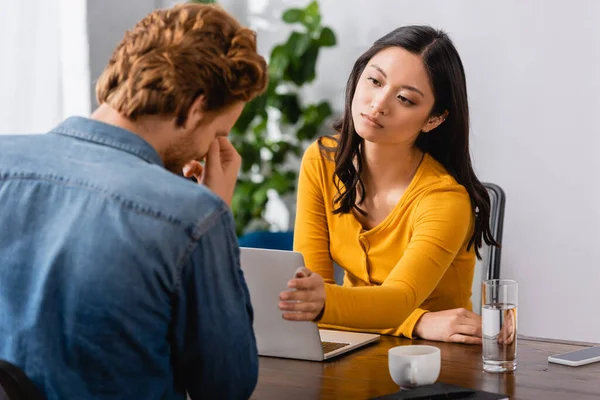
point(457, 325)
point(306, 302)
point(220, 171)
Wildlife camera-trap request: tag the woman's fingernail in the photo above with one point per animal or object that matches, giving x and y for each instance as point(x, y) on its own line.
point(292, 284)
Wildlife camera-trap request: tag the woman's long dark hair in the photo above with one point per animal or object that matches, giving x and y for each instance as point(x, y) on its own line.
point(448, 143)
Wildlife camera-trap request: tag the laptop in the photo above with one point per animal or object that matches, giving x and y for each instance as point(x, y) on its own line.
point(267, 273)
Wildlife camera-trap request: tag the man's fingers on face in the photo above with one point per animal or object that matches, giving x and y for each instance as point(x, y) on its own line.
point(213, 157)
point(193, 168)
point(225, 145)
point(228, 152)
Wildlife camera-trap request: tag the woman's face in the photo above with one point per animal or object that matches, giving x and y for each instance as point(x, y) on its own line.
point(393, 98)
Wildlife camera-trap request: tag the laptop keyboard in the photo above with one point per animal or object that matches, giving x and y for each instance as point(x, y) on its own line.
point(331, 346)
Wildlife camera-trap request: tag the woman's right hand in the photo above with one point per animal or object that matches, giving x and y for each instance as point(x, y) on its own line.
point(307, 301)
point(458, 325)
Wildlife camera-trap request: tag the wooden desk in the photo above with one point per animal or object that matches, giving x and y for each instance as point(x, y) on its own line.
point(364, 374)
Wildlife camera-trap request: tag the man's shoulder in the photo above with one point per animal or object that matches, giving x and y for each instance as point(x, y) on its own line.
point(118, 177)
point(166, 195)
point(180, 197)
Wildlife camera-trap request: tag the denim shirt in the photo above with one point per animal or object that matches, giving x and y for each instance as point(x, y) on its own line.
point(118, 278)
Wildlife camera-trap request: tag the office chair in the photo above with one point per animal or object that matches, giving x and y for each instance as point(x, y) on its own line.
point(489, 266)
point(268, 240)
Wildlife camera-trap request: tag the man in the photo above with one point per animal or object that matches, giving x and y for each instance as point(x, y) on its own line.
point(119, 278)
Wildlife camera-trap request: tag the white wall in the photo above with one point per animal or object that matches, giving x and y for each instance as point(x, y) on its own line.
point(107, 22)
point(533, 71)
point(109, 19)
point(42, 43)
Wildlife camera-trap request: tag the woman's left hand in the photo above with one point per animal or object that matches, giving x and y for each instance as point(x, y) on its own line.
point(306, 299)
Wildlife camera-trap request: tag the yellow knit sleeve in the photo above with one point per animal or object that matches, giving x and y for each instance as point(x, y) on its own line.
point(408, 326)
point(311, 233)
point(441, 224)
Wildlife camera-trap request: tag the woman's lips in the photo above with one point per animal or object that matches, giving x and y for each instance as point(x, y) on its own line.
point(371, 121)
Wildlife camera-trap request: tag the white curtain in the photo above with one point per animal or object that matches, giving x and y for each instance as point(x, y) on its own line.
point(44, 64)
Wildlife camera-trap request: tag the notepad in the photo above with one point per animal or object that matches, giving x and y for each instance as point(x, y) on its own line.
point(442, 390)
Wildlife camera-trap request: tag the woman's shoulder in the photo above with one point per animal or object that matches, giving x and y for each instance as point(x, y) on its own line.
point(436, 178)
point(321, 151)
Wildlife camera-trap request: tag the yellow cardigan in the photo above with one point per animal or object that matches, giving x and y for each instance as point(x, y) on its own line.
point(414, 261)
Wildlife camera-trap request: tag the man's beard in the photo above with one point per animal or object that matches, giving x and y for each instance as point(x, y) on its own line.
point(179, 154)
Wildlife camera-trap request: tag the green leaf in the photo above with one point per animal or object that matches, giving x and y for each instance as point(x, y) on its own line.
point(312, 17)
point(259, 197)
point(246, 118)
point(293, 15)
point(241, 204)
point(307, 131)
point(313, 25)
point(291, 176)
point(271, 88)
point(311, 114)
point(327, 38)
point(280, 152)
point(279, 61)
point(252, 110)
point(280, 183)
point(302, 70)
point(250, 154)
point(317, 114)
point(325, 110)
point(261, 128)
point(312, 10)
point(289, 105)
point(309, 63)
point(297, 44)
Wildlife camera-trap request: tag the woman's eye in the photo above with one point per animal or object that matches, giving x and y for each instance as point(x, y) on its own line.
point(406, 101)
point(374, 81)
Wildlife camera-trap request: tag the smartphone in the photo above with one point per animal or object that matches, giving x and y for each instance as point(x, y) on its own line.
point(578, 357)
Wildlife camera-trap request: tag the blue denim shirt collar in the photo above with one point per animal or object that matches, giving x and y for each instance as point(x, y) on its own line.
point(108, 135)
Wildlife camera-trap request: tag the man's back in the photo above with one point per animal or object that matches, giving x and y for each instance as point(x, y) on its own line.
point(118, 279)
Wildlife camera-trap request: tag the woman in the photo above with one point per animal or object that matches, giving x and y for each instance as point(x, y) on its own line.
point(393, 199)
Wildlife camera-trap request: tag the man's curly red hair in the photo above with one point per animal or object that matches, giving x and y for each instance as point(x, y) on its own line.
point(174, 55)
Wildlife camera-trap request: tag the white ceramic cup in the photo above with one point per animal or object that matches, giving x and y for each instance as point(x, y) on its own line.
point(414, 365)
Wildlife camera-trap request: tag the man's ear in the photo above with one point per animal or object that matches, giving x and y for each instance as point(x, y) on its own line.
point(434, 121)
point(196, 113)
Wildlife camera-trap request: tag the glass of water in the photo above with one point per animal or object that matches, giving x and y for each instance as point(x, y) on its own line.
point(499, 316)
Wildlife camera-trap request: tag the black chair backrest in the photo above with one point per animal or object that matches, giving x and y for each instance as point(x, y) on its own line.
point(14, 384)
point(497, 203)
